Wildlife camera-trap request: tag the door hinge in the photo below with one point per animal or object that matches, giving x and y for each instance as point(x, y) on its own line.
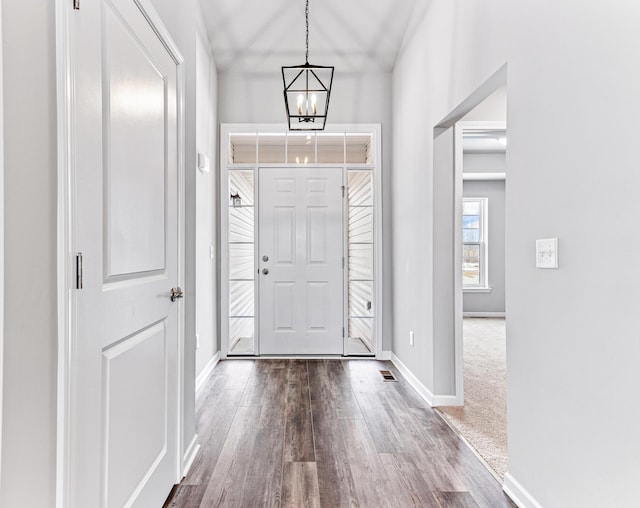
point(343, 188)
point(76, 5)
point(79, 270)
point(343, 332)
point(342, 261)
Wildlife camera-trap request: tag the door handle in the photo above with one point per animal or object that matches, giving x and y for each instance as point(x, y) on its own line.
point(176, 293)
point(265, 271)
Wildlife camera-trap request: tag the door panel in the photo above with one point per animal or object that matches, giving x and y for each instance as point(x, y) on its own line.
point(134, 131)
point(301, 235)
point(135, 377)
point(285, 235)
point(125, 377)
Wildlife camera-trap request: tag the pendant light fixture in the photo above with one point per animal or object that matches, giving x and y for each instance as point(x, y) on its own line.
point(306, 92)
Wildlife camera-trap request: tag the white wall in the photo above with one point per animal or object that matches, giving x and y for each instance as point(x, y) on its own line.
point(206, 203)
point(1, 244)
point(29, 370)
point(355, 98)
point(572, 90)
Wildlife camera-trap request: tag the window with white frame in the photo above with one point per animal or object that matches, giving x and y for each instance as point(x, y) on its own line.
point(474, 243)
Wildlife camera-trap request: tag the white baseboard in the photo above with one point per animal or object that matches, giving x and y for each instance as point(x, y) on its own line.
point(190, 455)
point(385, 355)
point(518, 494)
point(484, 314)
point(206, 372)
point(422, 390)
point(446, 400)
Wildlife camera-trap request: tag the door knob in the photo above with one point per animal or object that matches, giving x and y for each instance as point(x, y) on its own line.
point(176, 293)
point(265, 271)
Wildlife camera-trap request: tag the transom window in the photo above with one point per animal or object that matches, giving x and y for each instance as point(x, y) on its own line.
point(474, 239)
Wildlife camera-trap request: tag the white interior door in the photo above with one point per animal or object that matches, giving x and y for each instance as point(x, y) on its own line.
point(124, 411)
point(300, 260)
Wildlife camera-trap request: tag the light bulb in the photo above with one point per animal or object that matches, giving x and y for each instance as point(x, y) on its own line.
point(313, 103)
point(300, 101)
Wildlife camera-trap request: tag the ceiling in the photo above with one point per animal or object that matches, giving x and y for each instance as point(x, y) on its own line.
point(263, 35)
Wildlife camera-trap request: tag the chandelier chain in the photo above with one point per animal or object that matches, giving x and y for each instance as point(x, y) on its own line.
point(306, 15)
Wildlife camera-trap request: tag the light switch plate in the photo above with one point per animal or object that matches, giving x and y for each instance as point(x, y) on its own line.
point(547, 253)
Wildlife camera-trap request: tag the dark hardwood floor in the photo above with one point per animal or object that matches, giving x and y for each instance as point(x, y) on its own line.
point(326, 433)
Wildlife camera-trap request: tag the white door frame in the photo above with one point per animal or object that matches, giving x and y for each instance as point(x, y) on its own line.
point(1, 238)
point(66, 240)
point(451, 358)
point(225, 129)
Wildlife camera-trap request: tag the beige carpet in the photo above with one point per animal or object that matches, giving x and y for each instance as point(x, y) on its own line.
point(483, 419)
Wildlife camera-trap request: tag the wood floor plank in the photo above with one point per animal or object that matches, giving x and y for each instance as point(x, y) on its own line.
point(267, 388)
point(263, 484)
point(420, 444)
point(404, 485)
point(482, 485)
point(329, 381)
point(385, 436)
point(300, 485)
point(335, 480)
point(298, 436)
point(229, 475)
point(234, 373)
point(455, 500)
point(185, 496)
point(212, 424)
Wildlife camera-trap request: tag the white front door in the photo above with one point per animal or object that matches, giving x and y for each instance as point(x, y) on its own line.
point(300, 260)
point(124, 370)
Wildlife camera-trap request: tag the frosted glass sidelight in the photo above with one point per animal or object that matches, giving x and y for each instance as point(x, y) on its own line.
point(362, 329)
point(241, 333)
point(242, 182)
point(360, 185)
point(241, 261)
point(360, 296)
point(360, 262)
point(241, 224)
point(360, 225)
point(241, 296)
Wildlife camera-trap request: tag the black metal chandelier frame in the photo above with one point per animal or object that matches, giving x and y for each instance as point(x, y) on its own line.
point(307, 116)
